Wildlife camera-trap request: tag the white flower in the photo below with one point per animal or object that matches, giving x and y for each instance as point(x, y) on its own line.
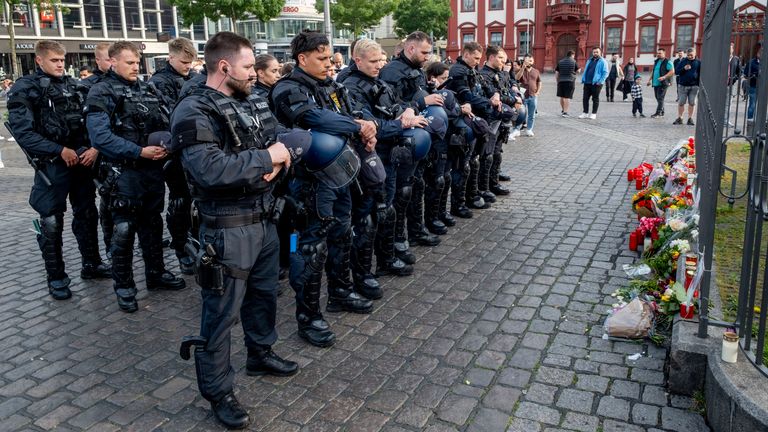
point(695, 219)
point(695, 234)
point(677, 225)
point(668, 292)
point(682, 245)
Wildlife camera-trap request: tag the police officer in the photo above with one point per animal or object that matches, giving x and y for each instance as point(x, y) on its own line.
point(463, 81)
point(407, 79)
point(494, 82)
point(267, 74)
point(122, 114)
point(307, 98)
point(226, 140)
point(168, 82)
point(374, 218)
point(101, 53)
point(45, 117)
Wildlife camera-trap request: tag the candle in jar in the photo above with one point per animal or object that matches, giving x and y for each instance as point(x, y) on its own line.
point(647, 243)
point(730, 347)
point(633, 241)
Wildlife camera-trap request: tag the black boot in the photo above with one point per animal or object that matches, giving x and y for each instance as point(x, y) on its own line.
point(230, 413)
point(164, 280)
point(395, 267)
point(484, 178)
point(107, 225)
point(415, 213)
point(458, 192)
point(263, 361)
point(495, 177)
point(312, 327)
point(50, 242)
point(403, 252)
point(122, 266)
point(186, 263)
point(473, 197)
point(316, 331)
point(361, 260)
point(504, 178)
point(402, 248)
point(423, 238)
point(346, 300)
point(85, 228)
point(96, 271)
point(386, 261)
point(442, 210)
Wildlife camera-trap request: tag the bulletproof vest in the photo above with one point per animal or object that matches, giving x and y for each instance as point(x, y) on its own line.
point(174, 82)
point(490, 79)
point(137, 113)
point(379, 95)
point(412, 78)
point(327, 94)
point(61, 111)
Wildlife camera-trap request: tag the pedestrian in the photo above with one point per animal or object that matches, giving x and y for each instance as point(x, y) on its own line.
point(122, 114)
point(687, 72)
point(44, 115)
point(595, 74)
point(630, 70)
point(661, 79)
point(169, 81)
point(307, 98)
point(637, 96)
point(85, 72)
point(530, 79)
point(734, 76)
point(752, 73)
point(565, 74)
point(615, 74)
point(231, 171)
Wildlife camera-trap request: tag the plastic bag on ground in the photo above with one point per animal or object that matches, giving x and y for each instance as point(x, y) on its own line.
point(632, 321)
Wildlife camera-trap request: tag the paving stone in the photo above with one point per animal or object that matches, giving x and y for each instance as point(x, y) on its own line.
point(489, 420)
point(592, 383)
point(541, 393)
point(514, 377)
point(614, 408)
point(576, 400)
point(581, 422)
point(654, 395)
point(645, 414)
point(539, 413)
point(681, 420)
point(56, 417)
point(625, 389)
point(415, 416)
point(456, 409)
point(555, 376)
point(502, 398)
point(614, 426)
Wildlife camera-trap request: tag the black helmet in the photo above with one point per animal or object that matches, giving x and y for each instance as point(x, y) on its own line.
point(464, 129)
point(331, 160)
point(419, 141)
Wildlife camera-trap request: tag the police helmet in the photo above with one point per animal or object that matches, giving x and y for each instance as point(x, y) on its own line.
point(419, 140)
point(449, 99)
point(331, 160)
point(437, 120)
point(464, 129)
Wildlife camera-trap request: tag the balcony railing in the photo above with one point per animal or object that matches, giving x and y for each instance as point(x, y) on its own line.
point(564, 10)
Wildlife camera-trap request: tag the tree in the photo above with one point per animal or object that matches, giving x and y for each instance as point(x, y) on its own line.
point(193, 11)
point(429, 16)
point(357, 15)
point(13, 5)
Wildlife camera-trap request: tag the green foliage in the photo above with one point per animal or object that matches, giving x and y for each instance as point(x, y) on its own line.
point(425, 15)
point(193, 11)
point(357, 15)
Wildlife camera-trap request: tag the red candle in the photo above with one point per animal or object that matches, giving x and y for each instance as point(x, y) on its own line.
point(655, 234)
point(686, 311)
point(633, 241)
point(630, 174)
point(639, 184)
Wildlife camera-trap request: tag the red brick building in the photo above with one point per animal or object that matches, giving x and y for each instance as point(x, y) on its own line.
point(548, 29)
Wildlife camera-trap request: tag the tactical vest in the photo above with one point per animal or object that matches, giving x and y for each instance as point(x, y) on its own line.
point(247, 124)
point(327, 94)
point(379, 96)
point(60, 115)
point(137, 113)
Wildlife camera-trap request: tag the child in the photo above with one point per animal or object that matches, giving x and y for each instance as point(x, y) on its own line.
point(637, 97)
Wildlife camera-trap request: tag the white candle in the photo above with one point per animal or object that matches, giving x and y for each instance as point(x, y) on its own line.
point(730, 347)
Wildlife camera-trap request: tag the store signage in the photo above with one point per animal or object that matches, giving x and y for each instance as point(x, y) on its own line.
point(25, 45)
point(88, 46)
point(290, 9)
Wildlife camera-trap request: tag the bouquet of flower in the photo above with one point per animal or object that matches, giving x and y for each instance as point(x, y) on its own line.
point(649, 224)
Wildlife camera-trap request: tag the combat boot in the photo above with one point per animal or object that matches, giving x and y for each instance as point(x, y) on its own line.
point(59, 289)
point(316, 331)
point(230, 413)
point(263, 361)
point(423, 238)
point(96, 271)
point(164, 280)
point(395, 267)
point(345, 300)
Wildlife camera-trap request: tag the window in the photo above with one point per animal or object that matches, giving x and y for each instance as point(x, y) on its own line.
point(684, 37)
point(92, 15)
point(496, 38)
point(612, 40)
point(648, 39)
point(525, 4)
point(614, 1)
point(467, 37)
point(496, 5)
point(467, 5)
point(524, 43)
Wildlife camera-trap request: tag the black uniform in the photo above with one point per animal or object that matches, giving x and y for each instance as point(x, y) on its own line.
point(300, 100)
point(409, 85)
point(495, 81)
point(45, 116)
point(375, 218)
point(191, 84)
point(222, 144)
point(102, 173)
point(178, 217)
point(463, 81)
point(121, 115)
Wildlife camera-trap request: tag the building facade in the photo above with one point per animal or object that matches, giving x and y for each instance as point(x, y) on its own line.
point(548, 29)
point(81, 24)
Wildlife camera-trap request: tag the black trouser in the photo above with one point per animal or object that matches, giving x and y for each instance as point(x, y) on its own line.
point(398, 187)
point(610, 88)
point(178, 217)
point(51, 203)
point(137, 206)
point(434, 179)
point(459, 160)
point(495, 170)
point(637, 106)
point(591, 91)
point(660, 93)
point(252, 249)
point(415, 212)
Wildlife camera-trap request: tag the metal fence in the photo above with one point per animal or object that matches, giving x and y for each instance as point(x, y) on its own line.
point(733, 113)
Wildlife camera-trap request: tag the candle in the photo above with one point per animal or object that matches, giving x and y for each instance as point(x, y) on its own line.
point(688, 278)
point(633, 241)
point(639, 183)
point(686, 311)
point(730, 350)
point(655, 234)
point(647, 243)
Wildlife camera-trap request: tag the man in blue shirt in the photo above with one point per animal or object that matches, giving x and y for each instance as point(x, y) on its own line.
point(687, 71)
point(595, 73)
point(752, 73)
point(663, 70)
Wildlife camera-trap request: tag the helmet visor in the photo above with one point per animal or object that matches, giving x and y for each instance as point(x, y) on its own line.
point(341, 171)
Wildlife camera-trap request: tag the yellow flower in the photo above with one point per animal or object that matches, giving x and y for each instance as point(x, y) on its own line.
point(675, 255)
point(665, 298)
point(757, 309)
point(673, 207)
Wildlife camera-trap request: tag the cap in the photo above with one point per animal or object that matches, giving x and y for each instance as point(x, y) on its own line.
point(297, 141)
point(160, 138)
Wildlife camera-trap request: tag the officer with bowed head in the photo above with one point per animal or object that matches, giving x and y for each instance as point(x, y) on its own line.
point(373, 217)
point(228, 144)
point(125, 123)
point(307, 98)
point(406, 77)
point(45, 117)
point(168, 82)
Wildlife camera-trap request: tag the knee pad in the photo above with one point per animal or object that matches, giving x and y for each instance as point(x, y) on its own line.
point(474, 163)
point(123, 233)
point(315, 255)
point(178, 205)
point(52, 224)
point(405, 192)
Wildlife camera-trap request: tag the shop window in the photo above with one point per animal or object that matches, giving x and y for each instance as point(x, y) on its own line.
point(648, 39)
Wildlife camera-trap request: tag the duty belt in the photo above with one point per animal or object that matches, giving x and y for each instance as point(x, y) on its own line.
point(235, 221)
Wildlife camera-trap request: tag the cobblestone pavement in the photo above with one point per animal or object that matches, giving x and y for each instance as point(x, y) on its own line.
point(499, 328)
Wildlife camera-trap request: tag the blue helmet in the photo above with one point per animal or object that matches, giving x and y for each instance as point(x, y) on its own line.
point(449, 99)
point(464, 129)
point(438, 120)
point(419, 140)
point(331, 160)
